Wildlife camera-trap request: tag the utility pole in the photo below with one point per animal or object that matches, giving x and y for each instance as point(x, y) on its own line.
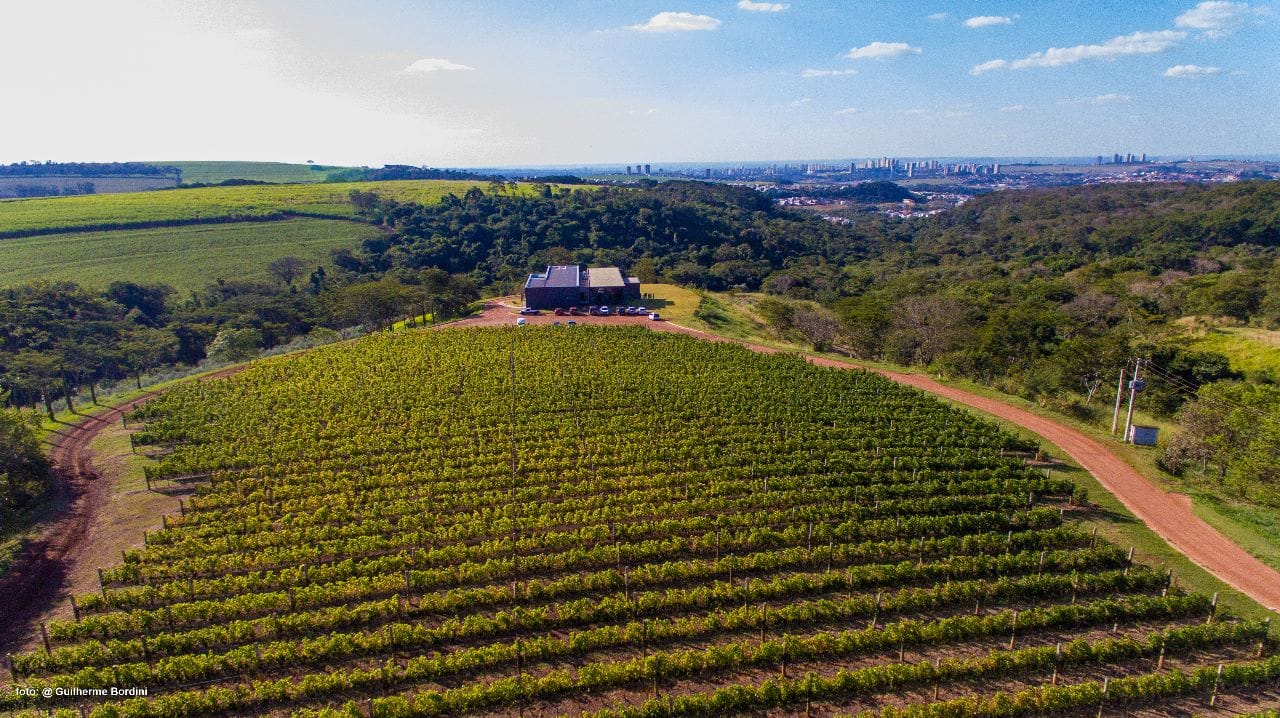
point(1133, 389)
point(1115, 416)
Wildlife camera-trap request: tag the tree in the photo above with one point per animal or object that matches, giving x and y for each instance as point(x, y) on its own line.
point(236, 344)
point(287, 269)
point(819, 326)
point(23, 467)
point(373, 304)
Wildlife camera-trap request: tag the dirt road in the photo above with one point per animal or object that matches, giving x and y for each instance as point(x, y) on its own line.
point(1168, 515)
point(39, 577)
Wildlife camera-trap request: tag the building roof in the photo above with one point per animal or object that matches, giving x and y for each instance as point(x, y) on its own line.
point(598, 277)
point(565, 275)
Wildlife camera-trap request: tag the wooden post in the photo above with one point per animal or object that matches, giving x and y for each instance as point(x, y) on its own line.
point(1057, 659)
point(1213, 698)
point(1213, 608)
point(1040, 569)
point(1106, 685)
point(1160, 659)
point(1013, 631)
point(75, 610)
point(44, 636)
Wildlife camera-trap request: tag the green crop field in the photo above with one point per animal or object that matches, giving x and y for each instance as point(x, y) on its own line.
point(616, 523)
point(104, 211)
point(212, 172)
point(183, 257)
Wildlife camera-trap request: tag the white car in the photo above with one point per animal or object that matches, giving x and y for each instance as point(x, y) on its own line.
point(654, 317)
point(521, 322)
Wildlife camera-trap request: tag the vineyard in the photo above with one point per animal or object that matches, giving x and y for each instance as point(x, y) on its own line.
point(617, 523)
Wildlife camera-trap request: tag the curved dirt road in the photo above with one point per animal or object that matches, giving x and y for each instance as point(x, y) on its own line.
point(38, 579)
point(1168, 515)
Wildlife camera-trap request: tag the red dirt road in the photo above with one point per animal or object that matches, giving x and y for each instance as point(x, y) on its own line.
point(1168, 515)
point(38, 579)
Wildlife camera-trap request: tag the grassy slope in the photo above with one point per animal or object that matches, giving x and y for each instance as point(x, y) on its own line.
point(212, 202)
point(1248, 349)
point(182, 257)
point(732, 316)
point(262, 171)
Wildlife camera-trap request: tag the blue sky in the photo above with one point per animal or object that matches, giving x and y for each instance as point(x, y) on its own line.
point(486, 83)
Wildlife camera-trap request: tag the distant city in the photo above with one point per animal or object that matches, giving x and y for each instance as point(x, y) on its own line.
point(954, 173)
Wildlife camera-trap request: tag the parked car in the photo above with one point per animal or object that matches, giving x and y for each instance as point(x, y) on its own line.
point(571, 323)
point(574, 311)
point(593, 310)
point(604, 311)
point(654, 317)
point(521, 322)
point(555, 324)
point(641, 310)
point(559, 312)
point(528, 310)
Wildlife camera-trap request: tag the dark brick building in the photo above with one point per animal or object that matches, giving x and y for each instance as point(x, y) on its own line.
point(572, 286)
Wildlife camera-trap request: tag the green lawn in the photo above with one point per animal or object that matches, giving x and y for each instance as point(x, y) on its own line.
point(211, 172)
point(1248, 349)
point(101, 211)
point(183, 257)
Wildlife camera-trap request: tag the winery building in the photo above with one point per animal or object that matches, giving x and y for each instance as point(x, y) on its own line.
point(571, 285)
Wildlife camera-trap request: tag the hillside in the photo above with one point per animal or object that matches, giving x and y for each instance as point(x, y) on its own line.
point(280, 172)
point(185, 257)
point(619, 523)
point(21, 217)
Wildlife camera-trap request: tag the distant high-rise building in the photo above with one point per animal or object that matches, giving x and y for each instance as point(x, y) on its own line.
point(647, 170)
point(1144, 157)
point(995, 170)
point(1115, 158)
point(628, 169)
point(707, 173)
point(1099, 159)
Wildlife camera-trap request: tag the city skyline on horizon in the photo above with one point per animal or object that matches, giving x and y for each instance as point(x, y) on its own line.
point(498, 84)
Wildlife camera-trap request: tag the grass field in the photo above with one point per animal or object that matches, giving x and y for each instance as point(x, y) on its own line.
point(616, 523)
point(183, 257)
point(211, 172)
point(60, 213)
point(1249, 349)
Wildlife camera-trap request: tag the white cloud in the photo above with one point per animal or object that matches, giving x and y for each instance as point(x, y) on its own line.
point(1137, 43)
point(1218, 18)
point(988, 21)
point(1191, 71)
point(955, 113)
point(848, 111)
point(1013, 108)
point(762, 6)
point(435, 64)
point(801, 102)
point(882, 51)
point(937, 17)
point(916, 111)
point(811, 72)
point(988, 66)
point(1111, 98)
point(677, 22)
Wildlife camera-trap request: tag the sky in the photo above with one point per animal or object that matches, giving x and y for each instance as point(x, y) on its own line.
point(478, 83)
